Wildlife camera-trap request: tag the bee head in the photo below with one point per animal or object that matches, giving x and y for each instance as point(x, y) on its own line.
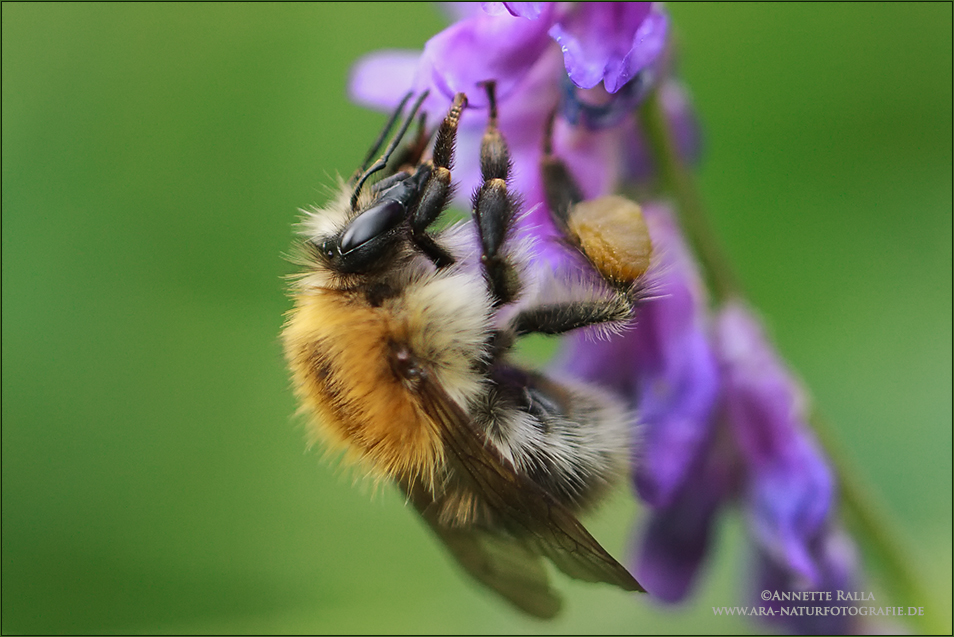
point(371, 235)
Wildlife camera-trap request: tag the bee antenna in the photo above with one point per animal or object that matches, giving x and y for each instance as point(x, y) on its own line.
point(381, 137)
point(383, 160)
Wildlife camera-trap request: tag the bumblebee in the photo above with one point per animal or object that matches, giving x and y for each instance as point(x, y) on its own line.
point(399, 347)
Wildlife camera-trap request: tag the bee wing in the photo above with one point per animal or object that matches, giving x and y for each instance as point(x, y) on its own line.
point(535, 523)
point(498, 561)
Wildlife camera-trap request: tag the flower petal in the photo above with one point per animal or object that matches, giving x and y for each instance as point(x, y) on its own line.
point(521, 120)
point(677, 537)
point(677, 388)
point(529, 10)
point(789, 485)
point(382, 78)
point(836, 556)
point(481, 48)
point(610, 42)
point(462, 10)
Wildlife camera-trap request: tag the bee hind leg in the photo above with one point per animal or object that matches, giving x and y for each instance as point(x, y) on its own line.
point(559, 318)
point(609, 232)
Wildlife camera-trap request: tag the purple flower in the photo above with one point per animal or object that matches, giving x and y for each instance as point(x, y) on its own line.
point(789, 487)
point(761, 454)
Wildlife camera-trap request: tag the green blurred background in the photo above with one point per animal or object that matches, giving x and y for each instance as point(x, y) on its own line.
point(154, 157)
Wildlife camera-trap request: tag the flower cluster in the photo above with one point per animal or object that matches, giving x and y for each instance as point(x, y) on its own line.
point(721, 419)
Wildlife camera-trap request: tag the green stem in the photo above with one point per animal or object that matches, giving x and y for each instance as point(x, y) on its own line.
point(871, 522)
point(678, 181)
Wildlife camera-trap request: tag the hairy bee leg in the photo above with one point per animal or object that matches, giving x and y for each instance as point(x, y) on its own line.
point(494, 207)
point(561, 318)
point(438, 188)
point(609, 232)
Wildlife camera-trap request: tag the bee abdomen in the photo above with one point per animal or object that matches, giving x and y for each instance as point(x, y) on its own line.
point(570, 438)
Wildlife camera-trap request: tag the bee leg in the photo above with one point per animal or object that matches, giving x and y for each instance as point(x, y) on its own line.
point(438, 189)
point(559, 318)
point(609, 232)
point(494, 207)
point(560, 188)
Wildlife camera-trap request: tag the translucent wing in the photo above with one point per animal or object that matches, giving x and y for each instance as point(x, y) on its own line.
point(497, 560)
point(529, 522)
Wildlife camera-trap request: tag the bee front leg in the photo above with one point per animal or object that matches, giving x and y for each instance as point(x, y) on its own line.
point(494, 207)
point(438, 188)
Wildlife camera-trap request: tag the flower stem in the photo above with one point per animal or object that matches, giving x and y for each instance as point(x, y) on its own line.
point(871, 521)
point(678, 181)
point(869, 518)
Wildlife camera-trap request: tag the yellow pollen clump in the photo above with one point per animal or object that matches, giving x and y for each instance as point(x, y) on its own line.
point(612, 232)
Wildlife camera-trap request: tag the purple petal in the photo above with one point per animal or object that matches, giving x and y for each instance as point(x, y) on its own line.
point(610, 42)
point(836, 557)
point(462, 10)
point(382, 78)
point(529, 10)
point(521, 120)
point(789, 485)
point(678, 536)
point(788, 499)
point(481, 48)
point(647, 44)
point(678, 383)
point(675, 417)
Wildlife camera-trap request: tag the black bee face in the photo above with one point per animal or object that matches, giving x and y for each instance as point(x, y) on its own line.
point(368, 240)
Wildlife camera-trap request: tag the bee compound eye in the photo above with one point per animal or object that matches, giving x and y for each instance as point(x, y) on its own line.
point(374, 221)
point(325, 247)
